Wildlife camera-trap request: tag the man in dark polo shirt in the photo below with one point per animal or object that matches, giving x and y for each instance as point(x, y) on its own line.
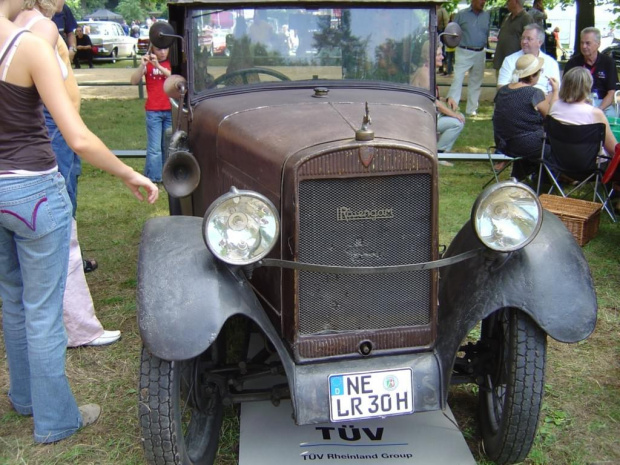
point(66, 23)
point(509, 38)
point(601, 67)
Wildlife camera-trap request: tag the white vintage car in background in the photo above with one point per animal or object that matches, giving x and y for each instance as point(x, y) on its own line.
point(109, 40)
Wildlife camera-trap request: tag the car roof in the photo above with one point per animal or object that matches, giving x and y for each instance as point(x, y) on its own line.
point(99, 23)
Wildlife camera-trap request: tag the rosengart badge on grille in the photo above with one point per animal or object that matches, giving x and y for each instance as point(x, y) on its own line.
point(348, 214)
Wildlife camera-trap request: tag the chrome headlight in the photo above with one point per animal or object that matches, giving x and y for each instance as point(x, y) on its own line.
point(241, 227)
point(507, 216)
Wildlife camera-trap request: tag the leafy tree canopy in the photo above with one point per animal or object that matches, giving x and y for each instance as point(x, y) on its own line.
point(585, 9)
point(584, 6)
point(129, 9)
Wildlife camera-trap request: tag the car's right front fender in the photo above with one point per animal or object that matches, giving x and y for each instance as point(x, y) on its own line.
point(185, 295)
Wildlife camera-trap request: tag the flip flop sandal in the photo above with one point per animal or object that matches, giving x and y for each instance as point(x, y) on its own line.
point(89, 265)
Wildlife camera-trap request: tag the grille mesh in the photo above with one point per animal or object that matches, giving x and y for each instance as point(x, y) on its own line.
point(332, 303)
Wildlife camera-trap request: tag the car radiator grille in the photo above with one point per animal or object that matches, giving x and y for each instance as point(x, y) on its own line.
point(393, 226)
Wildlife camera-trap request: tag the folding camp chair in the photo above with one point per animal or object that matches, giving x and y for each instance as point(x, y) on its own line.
point(492, 153)
point(576, 155)
point(613, 166)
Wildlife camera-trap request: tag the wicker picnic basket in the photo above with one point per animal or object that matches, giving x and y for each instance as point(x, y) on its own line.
point(580, 217)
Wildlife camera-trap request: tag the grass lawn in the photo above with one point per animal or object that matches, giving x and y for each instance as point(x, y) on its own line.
point(582, 406)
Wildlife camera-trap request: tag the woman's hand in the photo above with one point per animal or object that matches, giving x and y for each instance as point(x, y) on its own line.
point(445, 110)
point(134, 181)
point(452, 104)
point(554, 85)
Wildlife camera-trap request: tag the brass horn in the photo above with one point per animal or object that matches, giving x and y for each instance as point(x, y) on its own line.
point(181, 174)
point(175, 86)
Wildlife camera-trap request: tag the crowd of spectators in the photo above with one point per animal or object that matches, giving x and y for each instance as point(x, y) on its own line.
point(529, 83)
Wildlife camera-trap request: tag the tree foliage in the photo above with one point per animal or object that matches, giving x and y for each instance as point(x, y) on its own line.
point(129, 9)
point(132, 9)
point(585, 13)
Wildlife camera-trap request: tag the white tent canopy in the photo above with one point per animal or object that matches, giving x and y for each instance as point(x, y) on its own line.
point(104, 15)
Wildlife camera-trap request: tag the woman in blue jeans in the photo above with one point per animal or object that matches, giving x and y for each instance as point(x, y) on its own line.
point(35, 220)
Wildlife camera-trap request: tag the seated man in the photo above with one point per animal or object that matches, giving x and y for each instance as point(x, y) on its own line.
point(532, 39)
point(449, 123)
point(601, 67)
point(84, 48)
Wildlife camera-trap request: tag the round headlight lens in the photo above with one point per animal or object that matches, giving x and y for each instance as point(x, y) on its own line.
point(241, 227)
point(507, 216)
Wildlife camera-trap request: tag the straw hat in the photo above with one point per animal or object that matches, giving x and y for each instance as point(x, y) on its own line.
point(527, 65)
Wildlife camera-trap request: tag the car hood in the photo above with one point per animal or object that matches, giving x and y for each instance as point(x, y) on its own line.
point(255, 133)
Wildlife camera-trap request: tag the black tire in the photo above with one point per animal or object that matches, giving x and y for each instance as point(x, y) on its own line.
point(510, 397)
point(114, 56)
point(180, 413)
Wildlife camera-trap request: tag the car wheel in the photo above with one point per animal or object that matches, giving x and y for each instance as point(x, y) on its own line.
point(510, 397)
point(180, 410)
point(114, 55)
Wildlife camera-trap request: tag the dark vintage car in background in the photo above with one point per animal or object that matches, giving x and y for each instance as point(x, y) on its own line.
point(109, 40)
point(304, 197)
point(613, 50)
point(497, 15)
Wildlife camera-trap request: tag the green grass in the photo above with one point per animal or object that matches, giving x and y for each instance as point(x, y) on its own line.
point(123, 127)
point(582, 404)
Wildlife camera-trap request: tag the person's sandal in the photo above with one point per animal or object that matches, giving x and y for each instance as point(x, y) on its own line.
point(89, 265)
point(90, 413)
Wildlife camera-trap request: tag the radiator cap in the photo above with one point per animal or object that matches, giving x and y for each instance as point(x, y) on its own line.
point(365, 133)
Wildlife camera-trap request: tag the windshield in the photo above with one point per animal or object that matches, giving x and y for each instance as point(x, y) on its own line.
point(244, 47)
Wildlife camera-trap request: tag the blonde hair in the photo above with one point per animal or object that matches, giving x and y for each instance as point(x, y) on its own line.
point(576, 85)
point(47, 7)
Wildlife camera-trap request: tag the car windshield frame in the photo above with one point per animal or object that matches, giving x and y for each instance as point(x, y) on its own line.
point(367, 46)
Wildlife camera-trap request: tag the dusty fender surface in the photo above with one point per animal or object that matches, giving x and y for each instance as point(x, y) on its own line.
point(184, 294)
point(549, 280)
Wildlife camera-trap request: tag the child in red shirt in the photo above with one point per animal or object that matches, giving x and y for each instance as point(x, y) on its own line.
point(155, 68)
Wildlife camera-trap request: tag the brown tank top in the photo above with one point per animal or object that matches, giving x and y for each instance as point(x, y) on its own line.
point(24, 142)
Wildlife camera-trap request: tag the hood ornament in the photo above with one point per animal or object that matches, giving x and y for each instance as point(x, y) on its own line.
point(365, 133)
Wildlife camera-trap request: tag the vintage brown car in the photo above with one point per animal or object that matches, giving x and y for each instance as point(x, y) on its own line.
point(303, 177)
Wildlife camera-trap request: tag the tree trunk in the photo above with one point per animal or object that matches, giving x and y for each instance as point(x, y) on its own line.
point(585, 18)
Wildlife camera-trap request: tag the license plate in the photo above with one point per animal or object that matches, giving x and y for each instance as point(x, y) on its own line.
point(371, 394)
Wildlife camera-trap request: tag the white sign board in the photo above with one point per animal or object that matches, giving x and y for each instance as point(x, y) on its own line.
point(269, 436)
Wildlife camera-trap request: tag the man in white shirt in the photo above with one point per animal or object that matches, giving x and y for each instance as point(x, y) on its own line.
point(531, 40)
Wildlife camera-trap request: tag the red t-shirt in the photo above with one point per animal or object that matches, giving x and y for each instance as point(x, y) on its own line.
point(156, 99)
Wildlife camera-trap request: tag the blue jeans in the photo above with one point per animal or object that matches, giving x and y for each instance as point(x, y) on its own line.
point(69, 164)
point(610, 111)
point(156, 124)
point(448, 130)
point(35, 226)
